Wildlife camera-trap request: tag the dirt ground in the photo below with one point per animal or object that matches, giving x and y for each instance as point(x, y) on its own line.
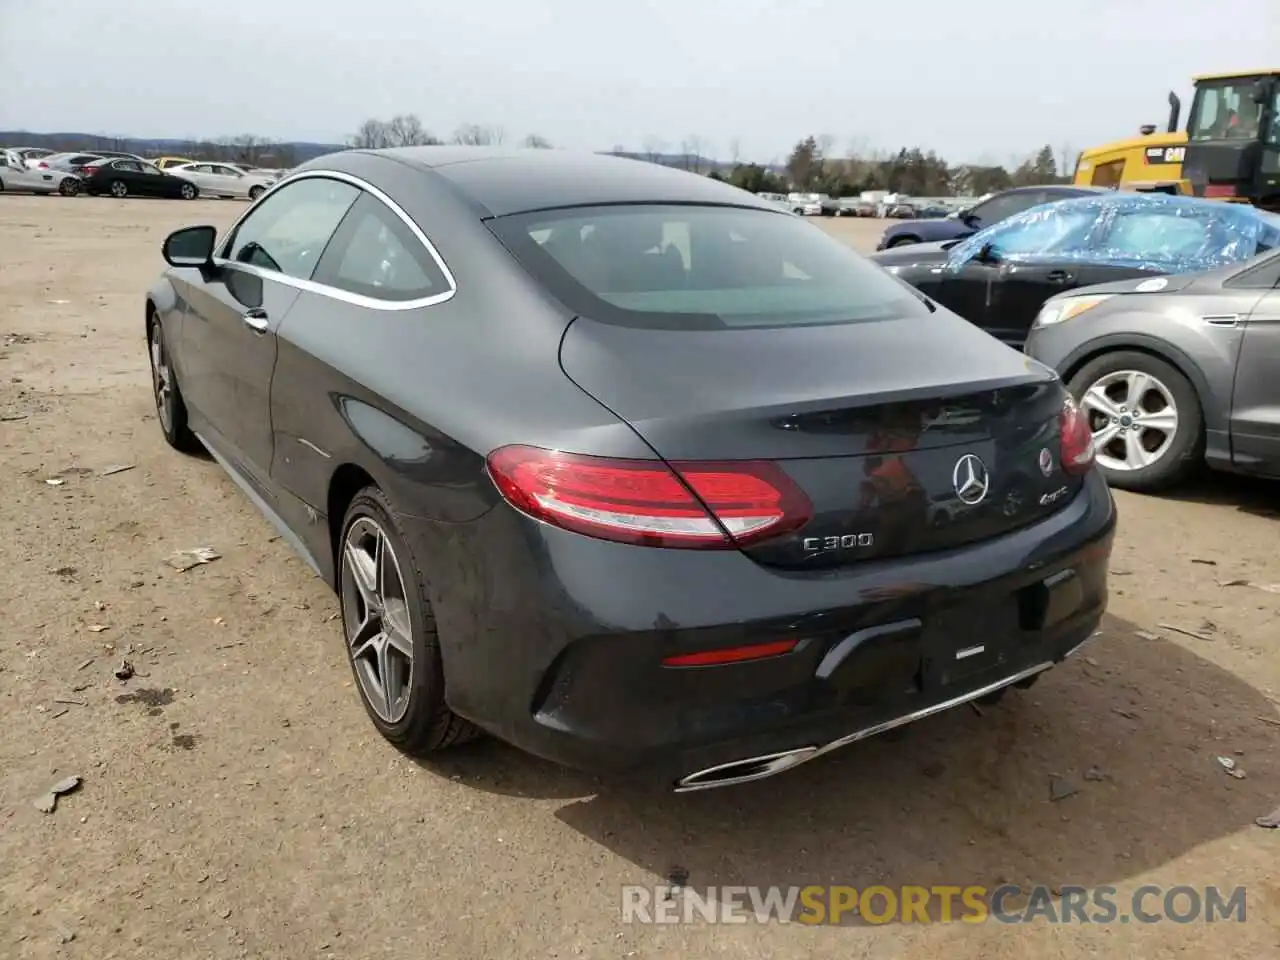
point(237, 803)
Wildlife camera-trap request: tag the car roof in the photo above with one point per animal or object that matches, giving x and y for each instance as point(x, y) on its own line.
point(506, 181)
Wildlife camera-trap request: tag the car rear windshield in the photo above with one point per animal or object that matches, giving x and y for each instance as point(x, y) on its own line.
point(700, 267)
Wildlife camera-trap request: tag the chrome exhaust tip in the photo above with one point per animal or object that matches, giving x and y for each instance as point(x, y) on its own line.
point(744, 771)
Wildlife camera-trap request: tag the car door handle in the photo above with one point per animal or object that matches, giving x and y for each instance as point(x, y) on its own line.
point(256, 320)
point(1058, 276)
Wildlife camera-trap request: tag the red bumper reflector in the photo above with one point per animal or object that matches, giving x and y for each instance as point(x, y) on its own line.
point(710, 658)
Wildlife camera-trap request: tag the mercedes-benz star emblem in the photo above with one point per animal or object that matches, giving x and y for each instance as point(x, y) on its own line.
point(1046, 461)
point(970, 479)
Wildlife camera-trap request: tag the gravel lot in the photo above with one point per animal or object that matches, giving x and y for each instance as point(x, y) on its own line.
point(236, 802)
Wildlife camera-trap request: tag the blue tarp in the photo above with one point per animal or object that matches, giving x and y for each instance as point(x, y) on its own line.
point(1146, 231)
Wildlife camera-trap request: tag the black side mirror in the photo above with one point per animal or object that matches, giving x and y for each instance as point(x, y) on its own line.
point(988, 254)
point(1261, 92)
point(190, 247)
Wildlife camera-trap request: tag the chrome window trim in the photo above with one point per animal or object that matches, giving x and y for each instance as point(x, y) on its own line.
point(337, 293)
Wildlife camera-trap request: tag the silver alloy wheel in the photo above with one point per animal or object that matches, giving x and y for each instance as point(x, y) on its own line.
point(118, 189)
point(188, 192)
point(376, 619)
point(161, 378)
point(1133, 417)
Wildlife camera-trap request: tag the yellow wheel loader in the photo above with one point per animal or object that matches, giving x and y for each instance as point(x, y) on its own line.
point(1229, 149)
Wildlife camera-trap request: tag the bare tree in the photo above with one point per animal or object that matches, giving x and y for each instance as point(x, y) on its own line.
point(654, 147)
point(402, 130)
point(735, 151)
point(691, 148)
point(478, 135)
point(1067, 155)
point(537, 142)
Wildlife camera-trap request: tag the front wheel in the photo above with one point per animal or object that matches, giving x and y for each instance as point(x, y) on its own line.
point(255, 192)
point(188, 191)
point(1148, 429)
point(171, 411)
point(901, 242)
point(391, 632)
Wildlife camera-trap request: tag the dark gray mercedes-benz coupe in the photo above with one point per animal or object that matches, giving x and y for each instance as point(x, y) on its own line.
point(626, 466)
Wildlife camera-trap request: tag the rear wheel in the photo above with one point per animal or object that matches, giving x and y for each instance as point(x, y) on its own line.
point(188, 191)
point(118, 189)
point(1147, 425)
point(903, 241)
point(391, 631)
point(255, 192)
point(69, 186)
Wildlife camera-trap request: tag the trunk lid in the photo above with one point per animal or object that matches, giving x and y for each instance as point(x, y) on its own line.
point(874, 421)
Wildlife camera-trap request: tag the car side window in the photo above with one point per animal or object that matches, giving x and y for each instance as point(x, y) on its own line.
point(1156, 236)
point(288, 231)
point(999, 208)
point(1057, 233)
point(375, 254)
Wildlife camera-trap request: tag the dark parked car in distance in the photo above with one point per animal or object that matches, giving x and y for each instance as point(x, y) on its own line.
point(123, 178)
point(496, 399)
point(990, 211)
point(1173, 371)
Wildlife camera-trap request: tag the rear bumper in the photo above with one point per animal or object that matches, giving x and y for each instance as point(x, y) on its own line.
point(554, 641)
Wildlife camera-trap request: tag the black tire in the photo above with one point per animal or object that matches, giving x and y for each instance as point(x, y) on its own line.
point(118, 189)
point(256, 192)
point(188, 191)
point(171, 411)
point(1184, 454)
point(427, 725)
point(69, 187)
point(902, 241)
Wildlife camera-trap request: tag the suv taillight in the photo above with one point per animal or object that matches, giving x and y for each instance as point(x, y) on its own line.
point(1077, 439)
point(691, 505)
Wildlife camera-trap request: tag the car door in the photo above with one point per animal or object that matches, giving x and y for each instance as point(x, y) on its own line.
point(227, 181)
point(228, 342)
point(966, 288)
point(130, 173)
point(157, 183)
point(197, 173)
point(374, 268)
point(1037, 257)
point(1255, 402)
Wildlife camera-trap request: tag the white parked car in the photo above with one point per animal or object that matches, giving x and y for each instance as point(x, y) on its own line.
point(223, 179)
point(15, 175)
point(31, 156)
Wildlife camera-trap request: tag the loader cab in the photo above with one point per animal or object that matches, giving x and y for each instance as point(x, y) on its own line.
point(1233, 139)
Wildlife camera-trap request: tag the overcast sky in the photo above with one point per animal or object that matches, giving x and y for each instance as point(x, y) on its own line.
point(979, 80)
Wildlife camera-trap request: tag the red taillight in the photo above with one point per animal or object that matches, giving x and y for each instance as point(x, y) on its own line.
point(647, 502)
point(43, 166)
point(711, 658)
point(89, 171)
point(1077, 439)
